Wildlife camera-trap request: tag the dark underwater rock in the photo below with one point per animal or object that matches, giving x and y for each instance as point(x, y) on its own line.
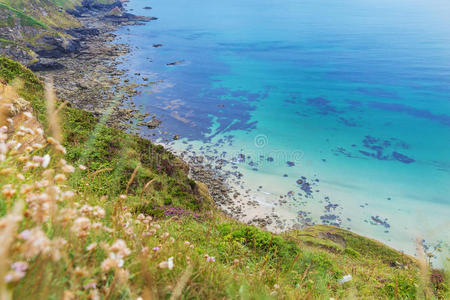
point(175, 63)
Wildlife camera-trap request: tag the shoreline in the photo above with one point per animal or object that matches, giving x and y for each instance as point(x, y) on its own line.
point(95, 73)
point(100, 55)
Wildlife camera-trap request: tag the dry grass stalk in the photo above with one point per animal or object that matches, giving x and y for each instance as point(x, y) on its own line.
point(100, 171)
point(8, 229)
point(131, 179)
point(146, 186)
point(178, 290)
point(52, 112)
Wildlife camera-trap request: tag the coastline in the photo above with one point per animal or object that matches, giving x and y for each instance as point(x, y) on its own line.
point(126, 206)
point(101, 55)
point(93, 73)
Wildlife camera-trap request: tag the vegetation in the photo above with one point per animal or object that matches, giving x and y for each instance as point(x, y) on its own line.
point(24, 19)
point(94, 213)
point(32, 10)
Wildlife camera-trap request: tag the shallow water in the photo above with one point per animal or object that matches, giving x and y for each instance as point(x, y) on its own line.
point(350, 97)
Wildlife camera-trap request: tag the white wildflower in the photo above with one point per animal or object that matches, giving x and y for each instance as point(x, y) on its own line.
point(345, 279)
point(45, 161)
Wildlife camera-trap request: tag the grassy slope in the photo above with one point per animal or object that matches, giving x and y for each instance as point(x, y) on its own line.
point(34, 9)
point(33, 19)
point(250, 263)
point(43, 15)
point(24, 19)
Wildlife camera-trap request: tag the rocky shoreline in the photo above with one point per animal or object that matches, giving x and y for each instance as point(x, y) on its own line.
point(100, 58)
point(89, 77)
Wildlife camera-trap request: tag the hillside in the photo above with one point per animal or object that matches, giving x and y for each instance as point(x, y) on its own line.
point(44, 11)
point(31, 29)
point(109, 215)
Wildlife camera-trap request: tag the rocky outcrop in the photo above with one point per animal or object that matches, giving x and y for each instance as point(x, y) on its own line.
point(56, 46)
point(152, 124)
point(30, 41)
point(89, 5)
point(45, 65)
point(82, 33)
point(26, 39)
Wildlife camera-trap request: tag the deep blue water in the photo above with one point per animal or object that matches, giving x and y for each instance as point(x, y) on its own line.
point(351, 97)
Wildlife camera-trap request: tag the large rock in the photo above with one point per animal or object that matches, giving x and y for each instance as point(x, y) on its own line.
point(88, 5)
point(56, 46)
point(44, 65)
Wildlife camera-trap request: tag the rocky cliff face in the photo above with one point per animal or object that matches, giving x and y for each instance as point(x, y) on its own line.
point(89, 5)
point(33, 30)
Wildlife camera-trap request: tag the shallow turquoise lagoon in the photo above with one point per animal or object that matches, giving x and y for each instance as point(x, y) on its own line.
point(341, 107)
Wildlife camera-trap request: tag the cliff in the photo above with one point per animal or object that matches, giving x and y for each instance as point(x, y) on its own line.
point(35, 29)
point(110, 215)
point(88, 211)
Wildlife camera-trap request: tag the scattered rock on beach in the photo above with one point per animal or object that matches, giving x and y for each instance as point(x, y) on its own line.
point(152, 124)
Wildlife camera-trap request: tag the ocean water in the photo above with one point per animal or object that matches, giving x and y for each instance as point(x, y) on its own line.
point(339, 107)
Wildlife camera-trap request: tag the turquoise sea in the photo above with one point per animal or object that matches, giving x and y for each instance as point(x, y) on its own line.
point(338, 108)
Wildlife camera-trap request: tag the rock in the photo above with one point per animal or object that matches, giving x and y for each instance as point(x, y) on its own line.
point(152, 124)
point(175, 63)
point(116, 12)
point(124, 17)
point(54, 47)
point(82, 32)
point(45, 66)
point(93, 4)
point(83, 85)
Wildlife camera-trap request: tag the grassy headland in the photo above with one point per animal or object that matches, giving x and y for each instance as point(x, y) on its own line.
point(126, 222)
point(31, 29)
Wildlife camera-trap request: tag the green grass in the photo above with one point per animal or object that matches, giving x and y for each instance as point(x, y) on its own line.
point(25, 20)
point(5, 41)
point(30, 13)
point(250, 263)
